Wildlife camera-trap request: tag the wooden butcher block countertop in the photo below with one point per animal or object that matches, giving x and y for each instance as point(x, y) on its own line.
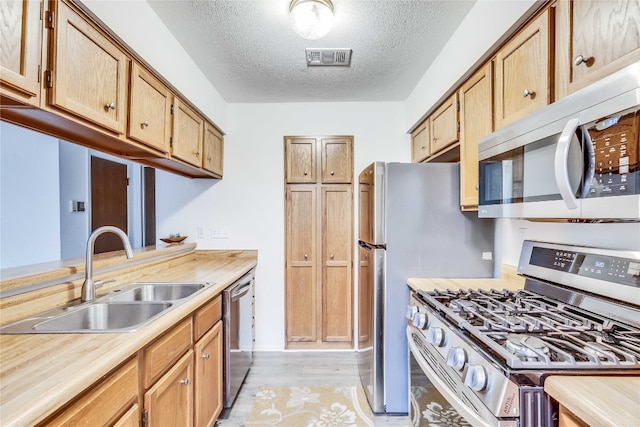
point(41, 372)
point(595, 400)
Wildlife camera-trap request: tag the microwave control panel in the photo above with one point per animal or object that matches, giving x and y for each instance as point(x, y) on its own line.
point(615, 148)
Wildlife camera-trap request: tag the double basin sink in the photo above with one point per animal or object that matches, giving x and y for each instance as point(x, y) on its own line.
point(122, 310)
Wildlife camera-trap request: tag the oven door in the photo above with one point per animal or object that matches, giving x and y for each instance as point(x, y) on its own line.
point(432, 400)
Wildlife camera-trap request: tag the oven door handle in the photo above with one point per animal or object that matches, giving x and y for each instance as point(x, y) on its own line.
point(567, 136)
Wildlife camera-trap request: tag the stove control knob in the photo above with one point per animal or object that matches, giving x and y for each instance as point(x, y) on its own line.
point(476, 378)
point(411, 311)
point(436, 337)
point(456, 358)
point(420, 320)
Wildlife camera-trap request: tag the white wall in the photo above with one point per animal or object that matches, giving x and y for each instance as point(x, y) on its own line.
point(138, 26)
point(29, 215)
point(249, 202)
point(483, 26)
point(74, 186)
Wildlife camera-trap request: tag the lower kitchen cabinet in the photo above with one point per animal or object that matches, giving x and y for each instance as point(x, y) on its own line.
point(169, 402)
point(130, 419)
point(567, 419)
point(106, 403)
point(208, 377)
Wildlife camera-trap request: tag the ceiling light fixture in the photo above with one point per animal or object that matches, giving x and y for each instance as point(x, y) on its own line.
point(311, 19)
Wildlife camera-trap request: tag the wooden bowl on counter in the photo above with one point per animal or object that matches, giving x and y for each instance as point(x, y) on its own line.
point(173, 240)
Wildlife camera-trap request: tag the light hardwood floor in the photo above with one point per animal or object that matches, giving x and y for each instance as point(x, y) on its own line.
point(333, 368)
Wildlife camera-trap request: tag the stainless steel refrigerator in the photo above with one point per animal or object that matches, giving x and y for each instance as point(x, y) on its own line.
point(410, 225)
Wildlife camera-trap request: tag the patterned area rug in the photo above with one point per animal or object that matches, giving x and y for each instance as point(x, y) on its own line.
point(310, 407)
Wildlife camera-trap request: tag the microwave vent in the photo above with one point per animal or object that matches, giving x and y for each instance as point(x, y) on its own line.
point(328, 57)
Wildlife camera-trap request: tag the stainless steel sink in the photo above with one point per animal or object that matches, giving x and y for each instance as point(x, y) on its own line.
point(103, 317)
point(158, 292)
point(122, 310)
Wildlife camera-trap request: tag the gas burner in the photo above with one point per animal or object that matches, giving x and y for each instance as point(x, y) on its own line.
point(460, 305)
point(526, 346)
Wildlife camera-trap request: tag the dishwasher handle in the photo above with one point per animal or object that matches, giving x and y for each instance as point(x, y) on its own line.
point(242, 287)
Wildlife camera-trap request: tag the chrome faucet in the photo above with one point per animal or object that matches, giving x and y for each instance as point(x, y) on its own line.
point(89, 286)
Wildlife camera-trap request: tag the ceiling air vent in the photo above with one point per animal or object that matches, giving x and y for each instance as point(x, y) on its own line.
point(328, 57)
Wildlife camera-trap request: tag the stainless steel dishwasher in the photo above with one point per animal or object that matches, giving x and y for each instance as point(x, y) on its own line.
point(238, 329)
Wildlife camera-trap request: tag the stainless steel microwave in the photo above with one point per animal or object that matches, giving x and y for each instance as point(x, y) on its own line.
point(577, 158)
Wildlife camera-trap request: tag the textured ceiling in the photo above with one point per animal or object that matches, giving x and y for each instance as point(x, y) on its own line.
point(249, 52)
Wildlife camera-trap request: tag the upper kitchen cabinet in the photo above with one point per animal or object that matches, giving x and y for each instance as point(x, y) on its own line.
point(337, 160)
point(88, 72)
point(420, 147)
point(444, 125)
point(149, 110)
point(522, 72)
point(300, 153)
point(20, 50)
point(476, 121)
point(593, 40)
point(188, 133)
point(213, 150)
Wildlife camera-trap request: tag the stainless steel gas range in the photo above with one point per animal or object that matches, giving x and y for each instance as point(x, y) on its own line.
point(488, 352)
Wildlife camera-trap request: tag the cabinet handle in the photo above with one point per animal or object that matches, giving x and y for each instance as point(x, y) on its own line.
point(144, 124)
point(528, 92)
point(185, 381)
point(306, 256)
point(305, 173)
point(331, 256)
point(477, 186)
point(206, 356)
point(110, 106)
point(332, 173)
point(582, 60)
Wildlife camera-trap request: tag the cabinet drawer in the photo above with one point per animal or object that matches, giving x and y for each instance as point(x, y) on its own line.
point(160, 355)
point(104, 403)
point(206, 317)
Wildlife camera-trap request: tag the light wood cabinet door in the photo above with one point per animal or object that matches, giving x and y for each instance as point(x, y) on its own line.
point(208, 377)
point(131, 418)
point(149, 110)
point(170, 401)
point(337, 160)
point(89, 77)
point(337, 235)
point(420, 147)
point(213, 150)
point(300, 160)
point(104, 403)
point(301, 270)
point(20, 49)
point(443, 125)
point(162, 353)
point(522, 68)
point(476, 121)
point(594, 39)
point(188, 133)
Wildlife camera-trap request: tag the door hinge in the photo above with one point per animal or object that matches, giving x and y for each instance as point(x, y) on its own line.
point(170, 142)
point(48, 77)
point(145, 417)
point(128, 182)
point(458, 126)
point(171, 108)
point(49, 20)
point(457, 106)
point(39, 73)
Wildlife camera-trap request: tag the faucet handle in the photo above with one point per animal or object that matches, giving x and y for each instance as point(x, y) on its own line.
point(99, 283)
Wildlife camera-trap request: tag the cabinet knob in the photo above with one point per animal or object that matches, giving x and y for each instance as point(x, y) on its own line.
point(209, 158)
point(197, 153)
point(206, 356)
point(528, 92)
point(306, 256)
point(434, 139)
point(477, 186)
point(144, 124)
point(582, 60)
point(305, 173)
point(185, 381)
point(331, 256)
point(110, 106)
point(332, 173)
point(422, 147)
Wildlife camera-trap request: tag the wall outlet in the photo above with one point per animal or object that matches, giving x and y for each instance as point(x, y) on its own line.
point(219, 233)
point(200, 232)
